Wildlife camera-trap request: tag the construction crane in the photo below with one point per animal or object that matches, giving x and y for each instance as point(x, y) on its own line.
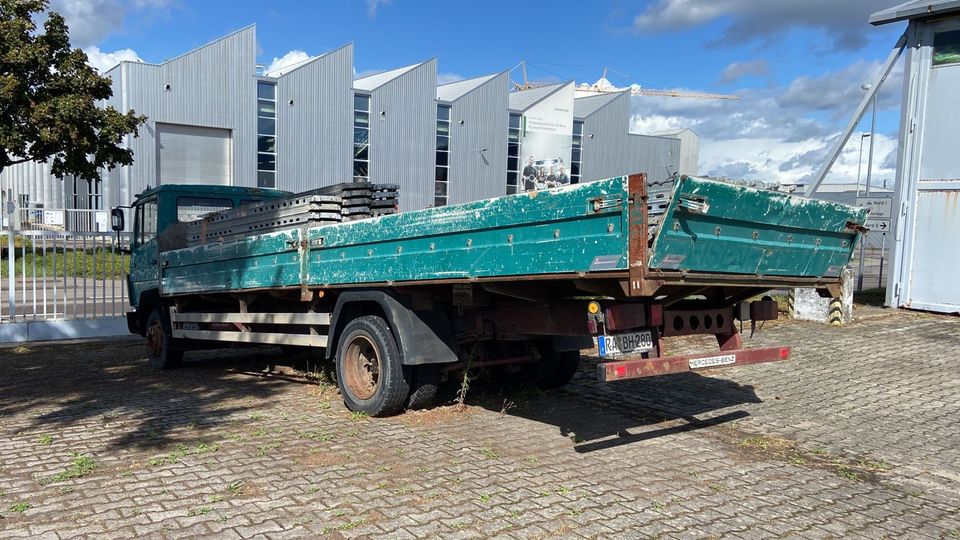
point(604, 86)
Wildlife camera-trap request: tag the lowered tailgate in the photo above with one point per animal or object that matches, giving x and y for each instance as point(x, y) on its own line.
point(720, 228)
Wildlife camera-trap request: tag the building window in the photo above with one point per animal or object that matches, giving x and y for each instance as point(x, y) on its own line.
point(266, 134)
point(361, 138)
point(513, 153)
point(946, 48)
point(443, 155)
point(576, 152)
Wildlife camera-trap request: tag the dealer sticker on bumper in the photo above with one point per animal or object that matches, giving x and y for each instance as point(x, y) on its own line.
point(713, 361)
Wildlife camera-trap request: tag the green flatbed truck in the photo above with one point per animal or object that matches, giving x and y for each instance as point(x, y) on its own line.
point(520, 283)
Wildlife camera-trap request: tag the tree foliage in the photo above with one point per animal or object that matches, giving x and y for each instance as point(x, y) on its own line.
point(49, 95)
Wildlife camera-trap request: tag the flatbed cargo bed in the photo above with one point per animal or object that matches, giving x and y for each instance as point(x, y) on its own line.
point(712, 233)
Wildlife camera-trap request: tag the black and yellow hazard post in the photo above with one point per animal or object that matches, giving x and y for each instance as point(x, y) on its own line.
point(835, 316)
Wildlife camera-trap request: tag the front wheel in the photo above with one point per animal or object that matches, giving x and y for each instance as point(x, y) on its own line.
point(370, 373)
point(160, 351)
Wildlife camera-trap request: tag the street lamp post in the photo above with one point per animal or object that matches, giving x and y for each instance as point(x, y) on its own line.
point(873, 129)
point(860, 160)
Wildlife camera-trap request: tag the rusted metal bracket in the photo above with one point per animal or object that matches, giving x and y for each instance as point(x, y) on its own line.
point(638, 285)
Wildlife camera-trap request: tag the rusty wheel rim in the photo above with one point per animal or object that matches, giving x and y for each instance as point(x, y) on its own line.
point(155, 339)
point(362, 367)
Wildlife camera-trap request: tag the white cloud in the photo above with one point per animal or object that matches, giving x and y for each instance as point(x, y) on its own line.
point(845, 21)
point(373, 5)
point(285, 63)
point(446, 78)
point(90, 21)
point(780, 133)
point(103, 61)
point(734, 71)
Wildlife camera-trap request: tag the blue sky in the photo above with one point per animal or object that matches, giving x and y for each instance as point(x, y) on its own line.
point(797, 64)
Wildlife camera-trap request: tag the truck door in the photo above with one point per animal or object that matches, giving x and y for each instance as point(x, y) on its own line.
point(145, 257)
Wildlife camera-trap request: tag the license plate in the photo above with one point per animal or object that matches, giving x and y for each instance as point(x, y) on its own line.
point(623, 344)
point(712, 361)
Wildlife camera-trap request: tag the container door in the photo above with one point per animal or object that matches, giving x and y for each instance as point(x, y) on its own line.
point(931, 282)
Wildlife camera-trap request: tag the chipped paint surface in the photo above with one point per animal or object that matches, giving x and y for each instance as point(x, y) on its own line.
point(556, 231)
point(749, 231)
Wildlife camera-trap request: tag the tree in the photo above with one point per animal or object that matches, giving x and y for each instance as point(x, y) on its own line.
point(49, 95)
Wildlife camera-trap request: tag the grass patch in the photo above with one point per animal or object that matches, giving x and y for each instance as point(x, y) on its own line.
point(342, 527)
point(82, 466)
point(99, 264)
point(487, 452)
point(181, 452)
point(19, 507)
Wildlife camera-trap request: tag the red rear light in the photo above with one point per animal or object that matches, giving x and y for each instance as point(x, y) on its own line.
point(784, 353)
point(656, 315)
point(620, 371)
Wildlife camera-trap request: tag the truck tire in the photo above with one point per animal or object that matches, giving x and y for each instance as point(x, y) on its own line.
point(161, 352)
point(423, 390)
point(370, 373)
point(557, 368)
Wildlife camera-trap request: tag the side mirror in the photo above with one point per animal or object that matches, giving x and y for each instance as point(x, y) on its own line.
point(116, 219)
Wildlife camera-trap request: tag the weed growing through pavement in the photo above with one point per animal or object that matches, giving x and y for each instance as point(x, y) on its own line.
point(45, 440)
point(657, 506)
point(82, 465)
point(203, 510)
point(342, 527)
point(489, 453)
point(181, 452)
point(19, 507)
point(235, 488)
point(358, 416)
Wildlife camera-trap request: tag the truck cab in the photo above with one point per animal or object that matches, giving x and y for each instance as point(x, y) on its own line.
point(156, 209)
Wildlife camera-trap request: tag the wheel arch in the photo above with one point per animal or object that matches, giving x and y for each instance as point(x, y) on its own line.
point(418, 341)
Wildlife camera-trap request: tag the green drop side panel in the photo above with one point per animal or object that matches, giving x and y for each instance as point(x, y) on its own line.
point(720, 228)
point(558, 231)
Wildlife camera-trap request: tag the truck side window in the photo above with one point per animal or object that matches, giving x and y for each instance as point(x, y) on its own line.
point(147, 222)
point(193, 208)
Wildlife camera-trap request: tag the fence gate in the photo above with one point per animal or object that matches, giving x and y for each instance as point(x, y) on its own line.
point(58, 285)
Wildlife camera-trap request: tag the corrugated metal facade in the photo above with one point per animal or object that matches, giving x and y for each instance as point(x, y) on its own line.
point(478, 142)
point(610, 150)
point(403, 128)
point(212, 86)
point(315, 131)
point(215, 86)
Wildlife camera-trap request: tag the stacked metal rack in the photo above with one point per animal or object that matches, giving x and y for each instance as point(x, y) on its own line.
point(330, 204)
point(302, 209)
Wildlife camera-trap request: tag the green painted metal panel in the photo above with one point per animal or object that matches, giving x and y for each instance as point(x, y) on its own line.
point(718, 227)
point(558, 231)
point(555, 231)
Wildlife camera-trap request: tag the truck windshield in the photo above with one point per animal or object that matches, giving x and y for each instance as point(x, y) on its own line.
point(194, 208)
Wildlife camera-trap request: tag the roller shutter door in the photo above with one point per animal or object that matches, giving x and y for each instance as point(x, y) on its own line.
point(193, 155)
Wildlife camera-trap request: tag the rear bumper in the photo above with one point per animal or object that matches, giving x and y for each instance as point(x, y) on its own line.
point(650, 367)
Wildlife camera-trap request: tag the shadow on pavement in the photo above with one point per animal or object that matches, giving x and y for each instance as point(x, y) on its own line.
point(599, 416)
point(65, 384)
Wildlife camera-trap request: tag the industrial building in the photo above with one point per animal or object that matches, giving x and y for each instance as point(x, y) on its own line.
point(214, 117)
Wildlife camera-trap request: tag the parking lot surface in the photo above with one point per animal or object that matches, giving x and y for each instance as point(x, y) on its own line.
point(857, 436)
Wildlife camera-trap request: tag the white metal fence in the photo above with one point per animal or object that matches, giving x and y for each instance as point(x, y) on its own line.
point(62, 276)
point(58, 220)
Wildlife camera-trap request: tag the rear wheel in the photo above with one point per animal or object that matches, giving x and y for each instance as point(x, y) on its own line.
point(423, 390)
point(161, 352)
point(557, 367)
point(370, 373)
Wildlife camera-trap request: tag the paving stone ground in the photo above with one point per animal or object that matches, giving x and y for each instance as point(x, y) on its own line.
point(857, 436)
